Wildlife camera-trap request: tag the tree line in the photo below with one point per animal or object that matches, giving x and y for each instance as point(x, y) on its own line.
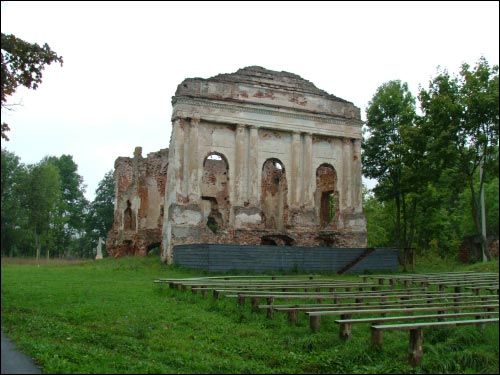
point(431, 166)
point(44, 210)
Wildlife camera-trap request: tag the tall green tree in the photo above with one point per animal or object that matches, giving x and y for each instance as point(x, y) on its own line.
point(461, 116)
point(69, 223)
point(15, 235)
point(22, 64)
point(42, 197)
point(390, 154)
point(99, 218)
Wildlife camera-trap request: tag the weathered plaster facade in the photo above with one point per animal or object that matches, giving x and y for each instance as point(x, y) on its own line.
point(260, 157)
point(139, 198)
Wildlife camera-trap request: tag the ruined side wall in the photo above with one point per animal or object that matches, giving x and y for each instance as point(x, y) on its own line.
point(139, 197)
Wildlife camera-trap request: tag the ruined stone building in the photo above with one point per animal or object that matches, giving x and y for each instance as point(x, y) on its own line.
point(139, 195)
point(256, 157)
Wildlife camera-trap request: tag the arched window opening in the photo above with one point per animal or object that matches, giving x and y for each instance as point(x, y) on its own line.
point(274, 194)
point(128, 218)
point(215, 191)
point(327, 195)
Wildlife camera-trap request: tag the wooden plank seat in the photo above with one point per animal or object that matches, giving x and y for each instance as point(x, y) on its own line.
point(415, 349)
point(263, 282)
point(457, 287)
point(251, 277)
point(477, 289)
point(285, 288)
point(377, 334)
point(314, 316)
point(293, 311)
point(481, 298)
point(436, 276)
point(354, 294)
point(183, 285)
point(271, 297)
point(289, 290)
point(441, 284)
point(346, 286)
point(336, 296)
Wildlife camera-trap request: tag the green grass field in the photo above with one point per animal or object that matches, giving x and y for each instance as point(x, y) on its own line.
point(108, 317)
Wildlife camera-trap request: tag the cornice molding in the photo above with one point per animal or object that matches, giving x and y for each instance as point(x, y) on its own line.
point(235, 108)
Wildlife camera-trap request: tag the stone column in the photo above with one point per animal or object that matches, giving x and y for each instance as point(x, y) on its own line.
point(295, 173)
point(357, 191)
point(253, 166)
point(346, 173)
point(240, 165)
point(177, 158)
point(194, 163)
point(307, 194)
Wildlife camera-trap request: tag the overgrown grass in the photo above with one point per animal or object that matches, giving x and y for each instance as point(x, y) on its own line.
point(108, 317)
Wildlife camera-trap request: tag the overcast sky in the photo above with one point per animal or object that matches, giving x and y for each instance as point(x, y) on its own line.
point(123, 61)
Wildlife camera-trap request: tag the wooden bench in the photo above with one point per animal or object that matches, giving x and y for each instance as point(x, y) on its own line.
point(415, 350)
point(335, 297)
point(377, 334)
point(345, 329)
point(294, 310)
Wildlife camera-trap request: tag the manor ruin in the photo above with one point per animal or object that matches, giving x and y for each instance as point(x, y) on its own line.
point(256, 157)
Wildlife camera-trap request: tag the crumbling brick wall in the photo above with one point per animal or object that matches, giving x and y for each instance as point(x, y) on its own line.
point(139, 195)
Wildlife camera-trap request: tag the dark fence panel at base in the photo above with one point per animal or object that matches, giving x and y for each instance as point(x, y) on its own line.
point(221, 258)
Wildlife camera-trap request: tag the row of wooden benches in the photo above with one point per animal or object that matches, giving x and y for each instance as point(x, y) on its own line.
point(419, 303)
point(476, 282)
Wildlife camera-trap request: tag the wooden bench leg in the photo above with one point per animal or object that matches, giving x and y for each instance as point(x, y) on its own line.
point(270, 309)
point(293, 316)
point(255, 303)
point(345, 331)
point(215, 293)
point(193, 289)
point(440, 312)
point(314, 322)
point(377, 337)
point(204, 292)
point(241, 300)
point(415, 351)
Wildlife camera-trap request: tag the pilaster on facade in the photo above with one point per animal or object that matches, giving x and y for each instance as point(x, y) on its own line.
point(346, 194)
point(296, 170)
point(194, 163)
point(307, 196)
point(241, 165)
point(253, 166)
